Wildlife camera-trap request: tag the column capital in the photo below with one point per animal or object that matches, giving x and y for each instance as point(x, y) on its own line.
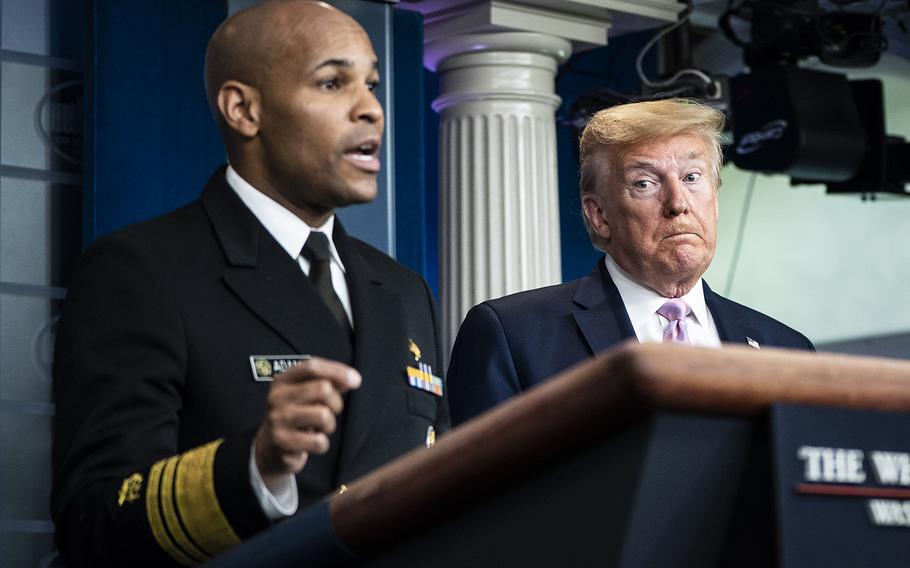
point(584, 23)
point(439, 50)
point(512, 67)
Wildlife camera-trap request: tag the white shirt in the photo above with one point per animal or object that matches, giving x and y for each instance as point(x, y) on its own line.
point(642, 304)
point(291, 233)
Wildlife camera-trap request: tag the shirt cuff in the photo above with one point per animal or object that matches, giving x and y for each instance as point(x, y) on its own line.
point(280, 504)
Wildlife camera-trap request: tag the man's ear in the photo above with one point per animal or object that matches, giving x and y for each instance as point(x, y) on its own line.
point(594, 213)
point(239, 106)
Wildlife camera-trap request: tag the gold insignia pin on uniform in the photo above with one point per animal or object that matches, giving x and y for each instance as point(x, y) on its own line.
point(431, 436)
point(267, 366)
point(129, 490)
point(412, 347)
point(342, 489)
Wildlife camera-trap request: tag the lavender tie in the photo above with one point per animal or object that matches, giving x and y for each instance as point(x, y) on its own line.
point(676, 311)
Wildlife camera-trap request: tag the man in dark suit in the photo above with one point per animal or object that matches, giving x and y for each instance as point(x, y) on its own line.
point(221, 366)
point(650, 173)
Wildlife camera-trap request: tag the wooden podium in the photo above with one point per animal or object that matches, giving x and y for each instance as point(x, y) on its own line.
point(649, 455)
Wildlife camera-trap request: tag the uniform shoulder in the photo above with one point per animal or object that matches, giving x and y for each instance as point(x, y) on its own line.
point(170, 231)
point(182, 241)
point(382, 262)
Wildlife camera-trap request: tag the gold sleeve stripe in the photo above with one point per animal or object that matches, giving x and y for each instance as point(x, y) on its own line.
point(171, 518)
point(154, 515)
point(198, 504)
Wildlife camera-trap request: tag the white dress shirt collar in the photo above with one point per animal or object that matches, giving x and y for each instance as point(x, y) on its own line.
point(288, 229)
point(642, 302)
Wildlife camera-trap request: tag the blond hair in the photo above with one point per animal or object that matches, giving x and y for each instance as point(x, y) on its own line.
point(619, 128)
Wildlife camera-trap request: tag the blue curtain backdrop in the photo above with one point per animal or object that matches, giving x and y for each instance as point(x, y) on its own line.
point(413, 228)
point(151, 143)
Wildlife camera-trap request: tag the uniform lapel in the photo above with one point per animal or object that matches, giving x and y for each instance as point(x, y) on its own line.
point(730, 326)
point(601, 315)
point(265, 278)
point(378, 328)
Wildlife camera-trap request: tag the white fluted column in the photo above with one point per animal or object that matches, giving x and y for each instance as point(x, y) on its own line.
point(499, 210)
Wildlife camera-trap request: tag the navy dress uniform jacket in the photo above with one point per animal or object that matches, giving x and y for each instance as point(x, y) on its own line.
point(157, 404)
point(510, 344)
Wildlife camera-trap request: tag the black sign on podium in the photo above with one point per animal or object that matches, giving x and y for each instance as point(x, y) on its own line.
point(842, 486)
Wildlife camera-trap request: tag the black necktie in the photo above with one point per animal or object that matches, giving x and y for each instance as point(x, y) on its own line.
point(316, 250)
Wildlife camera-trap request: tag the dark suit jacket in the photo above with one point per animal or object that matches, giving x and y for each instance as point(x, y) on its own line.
point(510, 344)
point(156, 400)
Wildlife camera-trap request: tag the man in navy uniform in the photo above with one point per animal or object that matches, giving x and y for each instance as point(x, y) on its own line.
point(650, 173)
point(224, 365)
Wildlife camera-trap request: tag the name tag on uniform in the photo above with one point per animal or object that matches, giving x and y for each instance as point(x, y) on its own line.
point(265, 367)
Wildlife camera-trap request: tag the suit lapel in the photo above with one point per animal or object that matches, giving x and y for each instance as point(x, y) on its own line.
point(600, 313)
point(730, 327)
point(378, 325)
point(603, 321)
point(265, 278)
